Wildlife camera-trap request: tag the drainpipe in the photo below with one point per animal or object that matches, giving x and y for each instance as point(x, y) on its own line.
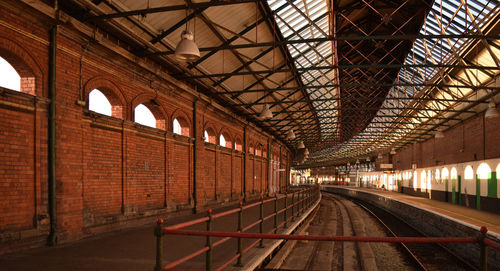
point(245, 164)
point(52, 138)
point(195, 148)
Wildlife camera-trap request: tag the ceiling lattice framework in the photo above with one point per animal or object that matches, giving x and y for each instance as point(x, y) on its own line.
point(351, 78)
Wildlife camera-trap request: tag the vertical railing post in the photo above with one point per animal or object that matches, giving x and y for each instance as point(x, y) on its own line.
point(285, 209)
point(483, 261)
point(302, 197)
point(261, 224)
point(240, 228)
point(159, 244)
point(275, 212)
point(208, 257)
point(293, 206)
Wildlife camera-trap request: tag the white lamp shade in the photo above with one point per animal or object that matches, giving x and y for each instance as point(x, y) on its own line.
point(266, 113)
point(301, 145)
point(290, 135)
point(379, 156)
point(393, 151)
point(187, 50)
point(306, 151)
point(492, 111)
point(367, 159)
point(439, 134)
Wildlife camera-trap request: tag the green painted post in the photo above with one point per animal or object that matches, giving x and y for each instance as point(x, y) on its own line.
point(240, 228)
point(478, 192)
point(454, 191)
point(208, 257)
point(459, 190)
point(261, 224)
point(159, 245)
point(492, 185)
point(483, 261)
point(284, 213)
point(293, 206)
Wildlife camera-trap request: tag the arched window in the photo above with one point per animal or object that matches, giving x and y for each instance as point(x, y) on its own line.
point(143, 115)
point(453, 174)
point(9, 78)
point(237, 144)
point(468, 173)
point(222, 140)
point(209, 135)
point(177, 127)
point(437, 175)
point(99, 103)
point(181, 126)
point(444, 173)
point(423, 180)
point(484, 171)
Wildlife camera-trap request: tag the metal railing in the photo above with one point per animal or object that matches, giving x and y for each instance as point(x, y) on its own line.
point(300, 201)
point(305, 199)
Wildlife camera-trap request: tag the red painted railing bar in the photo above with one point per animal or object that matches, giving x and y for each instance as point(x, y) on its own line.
point(229, 212)
point(187, 224)
point(228, 262)
point(251, 226)
point(250, 246)
point(269, 200)
point(268, 217)
point(492, 244)
point(221, 241)
point(326, 238)
point(251, 205)
point(185, 258)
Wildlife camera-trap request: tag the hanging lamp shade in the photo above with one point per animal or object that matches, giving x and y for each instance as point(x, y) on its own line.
point(379, 156)
point(301, 145)
point(367, 159)
point(439, 134)
point(306, 152)
point(266, 113)
point(393, 151)
point(492, 111)
point(187, 50)
point(290, 135)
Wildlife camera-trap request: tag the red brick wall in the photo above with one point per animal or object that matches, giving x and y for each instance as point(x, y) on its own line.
point(107, 168)
point(462, 142)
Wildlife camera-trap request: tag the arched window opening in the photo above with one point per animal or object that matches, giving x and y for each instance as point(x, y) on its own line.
point(251, 150)
point(453, 173)
point(99, 103)
point(9, 78)
point(258, 151)
point(177, 127)
point(437, 175)
point(144, 116)
point(423, 180)
point(468, 173)
point(237, 145)
point(484, 171)
point(181, 126)
point(209, 135)
point(222, 140)
point(444, 173)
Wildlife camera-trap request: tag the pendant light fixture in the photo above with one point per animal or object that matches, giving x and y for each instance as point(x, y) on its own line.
point(379, 156)
point(367, 159)
point(439, 134)
point(266, 113)
point(393, 151)
point(306, 152)
point(492, 111)
point(186, 49)
point(301, 145)
point(290, 135)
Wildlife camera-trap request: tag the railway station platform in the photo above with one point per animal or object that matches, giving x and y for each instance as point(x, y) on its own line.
point(135, 249)
point(467, 216)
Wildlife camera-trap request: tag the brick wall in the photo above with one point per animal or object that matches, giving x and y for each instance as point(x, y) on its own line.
point(108, 168)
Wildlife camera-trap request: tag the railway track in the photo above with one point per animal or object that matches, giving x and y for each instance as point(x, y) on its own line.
point(426, 256)
point(343, 217)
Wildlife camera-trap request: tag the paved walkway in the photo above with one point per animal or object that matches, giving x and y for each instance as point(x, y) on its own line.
point(461, 213)
point(135, 249)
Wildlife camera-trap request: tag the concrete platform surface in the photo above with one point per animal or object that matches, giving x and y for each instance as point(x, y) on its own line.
point(134, 249)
